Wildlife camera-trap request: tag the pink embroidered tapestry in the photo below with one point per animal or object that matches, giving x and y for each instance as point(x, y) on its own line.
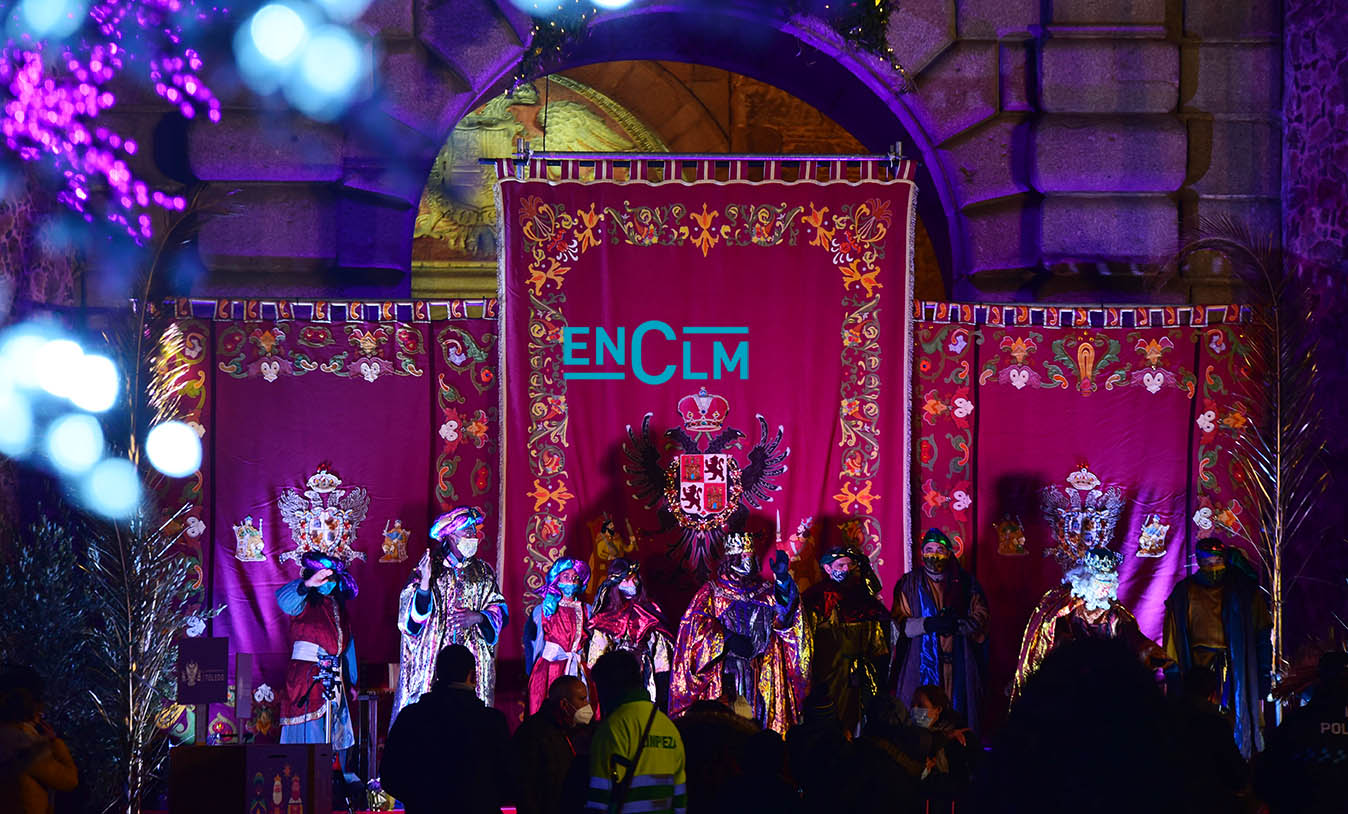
point(683, 357)
point(1130, 412)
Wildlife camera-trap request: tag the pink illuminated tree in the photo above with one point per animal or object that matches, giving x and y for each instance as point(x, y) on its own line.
point(55, 90)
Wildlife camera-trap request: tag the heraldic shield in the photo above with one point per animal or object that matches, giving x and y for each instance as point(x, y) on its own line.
point(704, 490)
point(325, 518)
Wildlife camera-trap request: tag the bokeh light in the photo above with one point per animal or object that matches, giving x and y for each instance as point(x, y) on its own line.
point(344, 11)
point(112, 488)
point(18, 355)
point(52, 19)
point(611, 4)
point(59, 362)
point(174, 448)
point(74, 443)
point(97, 384)
point(332, 69)
point(16, 422)
point(278, 32)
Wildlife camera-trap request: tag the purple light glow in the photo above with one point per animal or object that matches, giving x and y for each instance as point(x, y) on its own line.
point(51, 108)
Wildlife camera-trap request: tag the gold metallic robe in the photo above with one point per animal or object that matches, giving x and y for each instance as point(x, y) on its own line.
point(469, 587)
point(781, 673)
point(1061, 617)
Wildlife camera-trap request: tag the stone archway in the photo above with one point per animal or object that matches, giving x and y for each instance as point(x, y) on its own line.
point(1062, 147)
point(440, 59)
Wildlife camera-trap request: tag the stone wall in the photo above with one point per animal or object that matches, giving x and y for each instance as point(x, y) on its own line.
point(1065, 144)
point(1083, 134)
point(1315, 238)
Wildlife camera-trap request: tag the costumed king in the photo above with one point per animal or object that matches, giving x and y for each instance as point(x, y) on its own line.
point(625, 618)
point(852, 632)
point(1217, 618)
point(452, 598)
point(942, 616)
point(1085, 606)
point(555, 633)
point(744, 636)
point(322, 668)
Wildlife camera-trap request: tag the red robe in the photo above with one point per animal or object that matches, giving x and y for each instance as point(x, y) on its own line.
point(562, 634)
point(324, 624)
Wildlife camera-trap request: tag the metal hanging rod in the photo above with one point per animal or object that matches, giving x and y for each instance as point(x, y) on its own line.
point(718, 157)
point(526, 154)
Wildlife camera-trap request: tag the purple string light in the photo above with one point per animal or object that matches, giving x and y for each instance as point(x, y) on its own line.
point(53, 105)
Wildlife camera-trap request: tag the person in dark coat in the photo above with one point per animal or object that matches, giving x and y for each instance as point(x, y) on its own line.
point(1303, 769)
point(549, 752)
point(448, 751)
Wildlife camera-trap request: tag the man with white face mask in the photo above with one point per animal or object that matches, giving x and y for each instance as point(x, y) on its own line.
point(549, 753)
point(1085, 606)
point(451, 598)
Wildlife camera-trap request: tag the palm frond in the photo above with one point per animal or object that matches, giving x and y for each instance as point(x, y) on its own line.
point(1279, 453)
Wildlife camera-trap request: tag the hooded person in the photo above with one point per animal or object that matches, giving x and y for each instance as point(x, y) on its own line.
point(745, 637)
point(1217, 618)
point(322, 669)
point(852, 632)
point(625, 618)
point(942, 618)
point(451, 598)
point(1085, 606)
point(555, 633)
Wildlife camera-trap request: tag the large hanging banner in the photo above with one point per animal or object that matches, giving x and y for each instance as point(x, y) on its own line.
point(356, 422)
point(680, 358)
point(1037, 417)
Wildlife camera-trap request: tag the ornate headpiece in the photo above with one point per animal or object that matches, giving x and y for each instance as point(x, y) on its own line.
point(738, 543)
point(860, 562)
point(937, 536)
point(1101, 560)
point(455, 522)
point(703, 412)
point(618, 570)
point(312, 562)
point(561, 567)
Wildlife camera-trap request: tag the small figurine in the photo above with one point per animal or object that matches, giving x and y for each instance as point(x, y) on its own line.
point(395, 542)
point(248, 543)
point(1151, 542)
point(1011, 537)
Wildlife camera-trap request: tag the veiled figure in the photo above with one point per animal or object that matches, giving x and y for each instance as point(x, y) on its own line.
point(451, 598)
point(745, 636)
point(625, 618)
point(851, 630)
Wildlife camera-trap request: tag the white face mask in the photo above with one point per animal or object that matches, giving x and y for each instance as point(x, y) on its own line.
point(923, 717)
point(627, 588)
point(467, 547)
point(583, 715)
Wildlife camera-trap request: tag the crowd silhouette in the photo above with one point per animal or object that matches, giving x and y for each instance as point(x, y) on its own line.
point(1092, 730)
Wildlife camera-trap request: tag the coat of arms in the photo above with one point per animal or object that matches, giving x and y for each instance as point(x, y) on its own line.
point(703, 489)
point(1081, 516)
point(324, 519)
